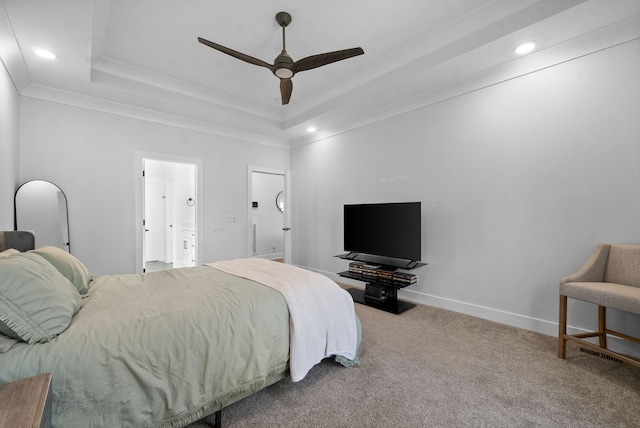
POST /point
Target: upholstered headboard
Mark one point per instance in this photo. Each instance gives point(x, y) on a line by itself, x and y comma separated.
point(20, 240)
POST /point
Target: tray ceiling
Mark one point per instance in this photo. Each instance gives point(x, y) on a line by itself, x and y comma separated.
point(142, 57)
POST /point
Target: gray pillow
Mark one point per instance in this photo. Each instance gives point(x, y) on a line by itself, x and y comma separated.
point(68, 265)
point(36, 301)
point(6, 343)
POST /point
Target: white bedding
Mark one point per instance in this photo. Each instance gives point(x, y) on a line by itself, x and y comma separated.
point(322, 315)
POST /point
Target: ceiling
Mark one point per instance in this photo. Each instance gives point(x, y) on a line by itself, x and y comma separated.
point(142, 58)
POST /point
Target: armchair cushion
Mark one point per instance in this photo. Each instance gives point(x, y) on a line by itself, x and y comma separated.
point(607, 294)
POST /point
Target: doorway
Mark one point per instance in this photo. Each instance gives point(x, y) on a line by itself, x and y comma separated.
point(268, 219)
point(169, 212)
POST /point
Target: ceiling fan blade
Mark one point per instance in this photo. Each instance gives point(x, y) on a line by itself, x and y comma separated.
point(235, 54)
point(286, 87)
point(319, 60)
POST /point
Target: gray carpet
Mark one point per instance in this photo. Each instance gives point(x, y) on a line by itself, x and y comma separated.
point(429, 367)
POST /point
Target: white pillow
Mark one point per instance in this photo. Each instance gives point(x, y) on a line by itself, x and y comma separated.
point(9, 252)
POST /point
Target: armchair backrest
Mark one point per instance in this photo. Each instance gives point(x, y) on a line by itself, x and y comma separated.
point(623, 265)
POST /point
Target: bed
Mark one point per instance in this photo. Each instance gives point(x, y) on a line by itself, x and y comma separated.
point(163, 349)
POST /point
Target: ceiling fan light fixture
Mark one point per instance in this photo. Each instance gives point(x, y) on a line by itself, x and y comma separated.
point(284, 73)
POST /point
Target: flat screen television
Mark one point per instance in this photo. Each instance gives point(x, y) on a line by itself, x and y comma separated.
point(388, 229)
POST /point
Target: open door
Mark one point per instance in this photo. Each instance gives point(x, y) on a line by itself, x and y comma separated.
point(268, 217)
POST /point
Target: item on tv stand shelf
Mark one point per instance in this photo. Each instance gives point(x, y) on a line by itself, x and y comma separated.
point(370, 272)
point(375, 294)
point(404, 279)
point(356, 267)
point(412, 264)
point(350, 256)
point(380, 296)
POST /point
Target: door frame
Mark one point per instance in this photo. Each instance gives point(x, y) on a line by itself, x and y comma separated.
point(286, 222)
point(139, 158)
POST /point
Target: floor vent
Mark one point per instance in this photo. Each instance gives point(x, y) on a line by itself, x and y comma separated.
point(598, 354)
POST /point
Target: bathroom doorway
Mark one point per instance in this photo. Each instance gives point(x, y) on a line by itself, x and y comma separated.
point(169, 213)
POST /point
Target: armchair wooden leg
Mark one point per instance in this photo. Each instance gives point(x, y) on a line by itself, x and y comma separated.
point(562, 327)
point(602, 326)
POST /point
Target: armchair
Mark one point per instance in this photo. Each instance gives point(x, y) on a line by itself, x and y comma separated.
point(610, 279)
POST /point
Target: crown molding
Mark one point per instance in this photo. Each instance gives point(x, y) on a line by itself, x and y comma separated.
point(10, 53)
point(609, 36)
point(127, 110)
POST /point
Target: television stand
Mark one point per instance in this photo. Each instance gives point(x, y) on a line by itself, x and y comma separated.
point(377, 295)
point(381, 288)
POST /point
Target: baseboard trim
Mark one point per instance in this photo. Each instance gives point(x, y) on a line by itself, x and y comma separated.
point(491, 314)
point(549, 328)
point(504, 317)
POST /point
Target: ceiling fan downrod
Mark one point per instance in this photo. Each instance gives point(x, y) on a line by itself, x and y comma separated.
point(283, 61)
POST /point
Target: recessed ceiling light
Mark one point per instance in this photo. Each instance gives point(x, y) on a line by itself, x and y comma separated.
point(44, 53)
point(525, 48)
point(311, 129)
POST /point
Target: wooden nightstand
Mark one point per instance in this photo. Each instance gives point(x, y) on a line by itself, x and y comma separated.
point(26, 402)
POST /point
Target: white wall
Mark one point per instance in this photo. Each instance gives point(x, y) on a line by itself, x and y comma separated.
point(90, 155)
point(9, 100)
point(518, 182)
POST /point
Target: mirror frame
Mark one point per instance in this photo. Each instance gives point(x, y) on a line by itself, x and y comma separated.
point(280, 201)
point(65, 245)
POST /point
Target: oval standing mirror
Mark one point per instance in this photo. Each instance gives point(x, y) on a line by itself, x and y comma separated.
point(41, 207)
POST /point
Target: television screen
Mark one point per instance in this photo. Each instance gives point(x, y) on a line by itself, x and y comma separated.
point(389, 229)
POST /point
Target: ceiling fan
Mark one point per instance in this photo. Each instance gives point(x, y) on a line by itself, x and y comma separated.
point(284, 67)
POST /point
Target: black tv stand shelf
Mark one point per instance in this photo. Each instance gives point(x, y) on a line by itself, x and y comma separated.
point(384, 296)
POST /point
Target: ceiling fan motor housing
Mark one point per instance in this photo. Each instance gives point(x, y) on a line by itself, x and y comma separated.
point(283, 64)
